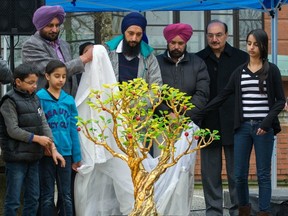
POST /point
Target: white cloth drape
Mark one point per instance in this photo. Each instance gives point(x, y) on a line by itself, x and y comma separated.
point(103, 185)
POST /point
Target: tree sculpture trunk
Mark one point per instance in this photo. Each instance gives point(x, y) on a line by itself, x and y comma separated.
point(144, 194)
point(143, 182)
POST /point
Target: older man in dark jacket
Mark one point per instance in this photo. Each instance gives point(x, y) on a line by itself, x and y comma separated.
point(221, 60)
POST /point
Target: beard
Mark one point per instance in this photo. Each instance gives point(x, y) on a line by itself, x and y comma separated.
point(175, 54)
point(49, 36)
point(129, 50)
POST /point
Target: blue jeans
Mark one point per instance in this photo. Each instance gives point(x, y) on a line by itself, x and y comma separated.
point(49, 173)
point(20, 175)
point(244, 139)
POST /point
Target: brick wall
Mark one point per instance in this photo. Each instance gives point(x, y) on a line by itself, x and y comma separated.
point(282, 30)
point(282, 155)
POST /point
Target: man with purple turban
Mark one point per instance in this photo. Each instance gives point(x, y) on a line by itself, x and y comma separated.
point(42, 47)
point(188, 73)
point(45, 46)
point(130, 55)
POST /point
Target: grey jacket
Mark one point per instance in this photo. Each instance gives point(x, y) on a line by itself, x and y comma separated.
point(5, 72)
point(148, 68)
point(38, 52)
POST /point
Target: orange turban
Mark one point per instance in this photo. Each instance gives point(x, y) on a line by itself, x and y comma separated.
point(185, 31)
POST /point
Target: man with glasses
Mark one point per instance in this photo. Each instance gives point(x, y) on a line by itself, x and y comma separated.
point(221, 60)
point(45, 45)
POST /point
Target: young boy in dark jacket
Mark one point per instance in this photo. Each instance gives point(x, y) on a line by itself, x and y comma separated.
point(24, 135)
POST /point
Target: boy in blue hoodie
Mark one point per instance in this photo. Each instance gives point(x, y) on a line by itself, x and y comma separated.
point(60, 111)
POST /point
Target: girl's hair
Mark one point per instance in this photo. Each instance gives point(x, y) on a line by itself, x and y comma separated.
point(52, 66)
point(261, 38)
point(23, 71)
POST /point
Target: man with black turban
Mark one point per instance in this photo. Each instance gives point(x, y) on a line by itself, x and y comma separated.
point(130, 54)
point(44, 46)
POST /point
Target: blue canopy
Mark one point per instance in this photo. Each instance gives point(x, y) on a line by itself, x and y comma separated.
point(269, 6)
point(163, 5)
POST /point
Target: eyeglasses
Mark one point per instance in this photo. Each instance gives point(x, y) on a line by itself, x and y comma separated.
point(218, 35)
point(31, 83)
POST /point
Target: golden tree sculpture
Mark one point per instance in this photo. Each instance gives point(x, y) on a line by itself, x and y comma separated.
point(135, 128)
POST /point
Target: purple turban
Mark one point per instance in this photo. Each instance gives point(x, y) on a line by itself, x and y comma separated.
point(45, 14)
point(133, 18)
point(185, 31)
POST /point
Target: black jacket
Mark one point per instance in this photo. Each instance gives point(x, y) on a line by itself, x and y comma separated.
point(276, 98)
point(220, 70)
point(190, 75)
point(29, 119)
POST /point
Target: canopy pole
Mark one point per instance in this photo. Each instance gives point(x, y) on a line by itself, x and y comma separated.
point(274, 52)
point(274, 36)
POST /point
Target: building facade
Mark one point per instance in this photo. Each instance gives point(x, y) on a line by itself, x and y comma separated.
point(100, 27)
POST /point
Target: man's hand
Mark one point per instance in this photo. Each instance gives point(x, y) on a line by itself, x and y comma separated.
point(87, 56)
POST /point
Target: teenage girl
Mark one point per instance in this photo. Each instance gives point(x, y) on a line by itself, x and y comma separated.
point(259, 98)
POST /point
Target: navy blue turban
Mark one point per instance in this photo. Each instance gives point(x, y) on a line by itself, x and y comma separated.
point(133, 18)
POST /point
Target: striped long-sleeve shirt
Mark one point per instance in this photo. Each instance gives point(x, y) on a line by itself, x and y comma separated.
point(255, 103)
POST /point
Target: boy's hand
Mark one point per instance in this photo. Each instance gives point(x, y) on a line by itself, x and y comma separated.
point(57, 156)
point(75, 166)
point(43, 140)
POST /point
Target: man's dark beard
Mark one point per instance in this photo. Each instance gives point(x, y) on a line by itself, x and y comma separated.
point(48, 37)
point(175, 54)
point(130, 51)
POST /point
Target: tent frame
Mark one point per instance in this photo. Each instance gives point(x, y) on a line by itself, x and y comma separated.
point(271, 7)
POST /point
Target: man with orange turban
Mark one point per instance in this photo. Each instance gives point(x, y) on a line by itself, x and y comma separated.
point(188, 73)
point(184, 70)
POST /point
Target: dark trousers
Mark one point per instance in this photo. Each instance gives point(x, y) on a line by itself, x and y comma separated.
point(211, 171)
point(49, 172)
